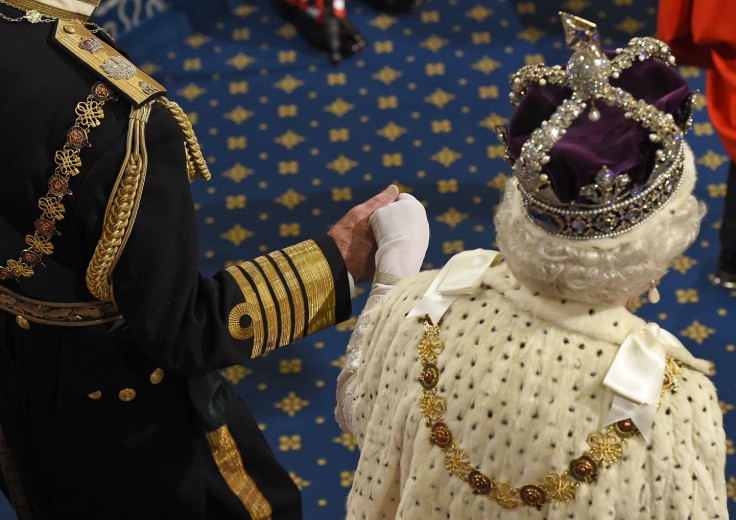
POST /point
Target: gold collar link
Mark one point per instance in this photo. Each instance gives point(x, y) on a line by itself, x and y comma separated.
point(604, 447)
point(36, 12)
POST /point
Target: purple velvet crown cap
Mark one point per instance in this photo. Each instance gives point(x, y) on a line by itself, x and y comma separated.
point(621, 144)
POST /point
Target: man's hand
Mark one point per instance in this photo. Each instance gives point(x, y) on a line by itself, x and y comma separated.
point(354, 236)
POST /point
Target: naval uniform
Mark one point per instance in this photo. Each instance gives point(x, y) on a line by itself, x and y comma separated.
point(110, 337)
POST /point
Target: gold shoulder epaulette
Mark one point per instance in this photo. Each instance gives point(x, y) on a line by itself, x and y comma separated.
point(112, 67)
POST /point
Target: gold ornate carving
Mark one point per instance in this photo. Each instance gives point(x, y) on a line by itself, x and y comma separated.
point(606, 448)
point(672, 369)
point(89, 113)
point(230, 463)
point(68, 161)
point(430, 345)
point(603, 447)
point(40, 244)
point(559, 486)
point(457, 462)
point(433, 406)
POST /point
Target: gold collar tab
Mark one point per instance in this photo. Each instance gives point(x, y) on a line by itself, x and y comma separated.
point(111, 66)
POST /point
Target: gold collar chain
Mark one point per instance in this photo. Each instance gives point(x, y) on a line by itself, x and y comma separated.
point(35, 16)
point(67, 162)
point(31, 15)
point(604, 447)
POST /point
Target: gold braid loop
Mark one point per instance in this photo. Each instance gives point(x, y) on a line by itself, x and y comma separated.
point(121, 208)
point(604, 448)
point(196, 165)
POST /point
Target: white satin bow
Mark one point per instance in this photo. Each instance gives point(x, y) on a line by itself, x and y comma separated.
point(637, 373)
point(460, 275)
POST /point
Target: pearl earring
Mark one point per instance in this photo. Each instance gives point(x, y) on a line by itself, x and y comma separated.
point(653, 294)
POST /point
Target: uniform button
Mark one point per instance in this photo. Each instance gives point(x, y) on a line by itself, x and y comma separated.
point(126, 394)
point(95, 395)
point(70, 29)
point(22, 322)
point(156, 376)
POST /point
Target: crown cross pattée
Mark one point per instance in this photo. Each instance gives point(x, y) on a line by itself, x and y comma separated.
point(607, 187)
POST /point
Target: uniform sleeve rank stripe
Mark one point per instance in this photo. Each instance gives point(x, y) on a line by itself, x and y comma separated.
point(315, 273)
point(276, 283)
point(297, 277)
point(269, 305)
point(132, 83)
point(296, 290)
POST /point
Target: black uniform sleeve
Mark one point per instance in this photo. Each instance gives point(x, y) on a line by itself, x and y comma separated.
point(189, 323)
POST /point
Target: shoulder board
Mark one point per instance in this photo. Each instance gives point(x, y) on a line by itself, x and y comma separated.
point(112, 67)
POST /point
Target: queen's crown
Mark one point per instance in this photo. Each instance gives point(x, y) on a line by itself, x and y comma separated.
point(601, 161)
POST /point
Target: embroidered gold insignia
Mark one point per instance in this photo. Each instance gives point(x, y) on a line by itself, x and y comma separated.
point(90, 44)
point(147, 88)
point(117, 67)
point(107, 63)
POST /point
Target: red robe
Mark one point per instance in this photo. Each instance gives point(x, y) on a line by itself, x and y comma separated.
point(701, 33)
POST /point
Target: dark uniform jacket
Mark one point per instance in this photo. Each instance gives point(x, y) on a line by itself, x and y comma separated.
point(114, 410)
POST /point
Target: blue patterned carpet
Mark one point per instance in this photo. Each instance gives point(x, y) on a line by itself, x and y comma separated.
point(294, 142)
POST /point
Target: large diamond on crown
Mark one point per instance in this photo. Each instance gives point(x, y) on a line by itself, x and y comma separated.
point(588, 71)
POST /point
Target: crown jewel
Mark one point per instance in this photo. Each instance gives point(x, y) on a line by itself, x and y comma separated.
point(601, 202)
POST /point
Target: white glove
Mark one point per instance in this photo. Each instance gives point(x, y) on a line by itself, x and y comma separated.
point(402, 234)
